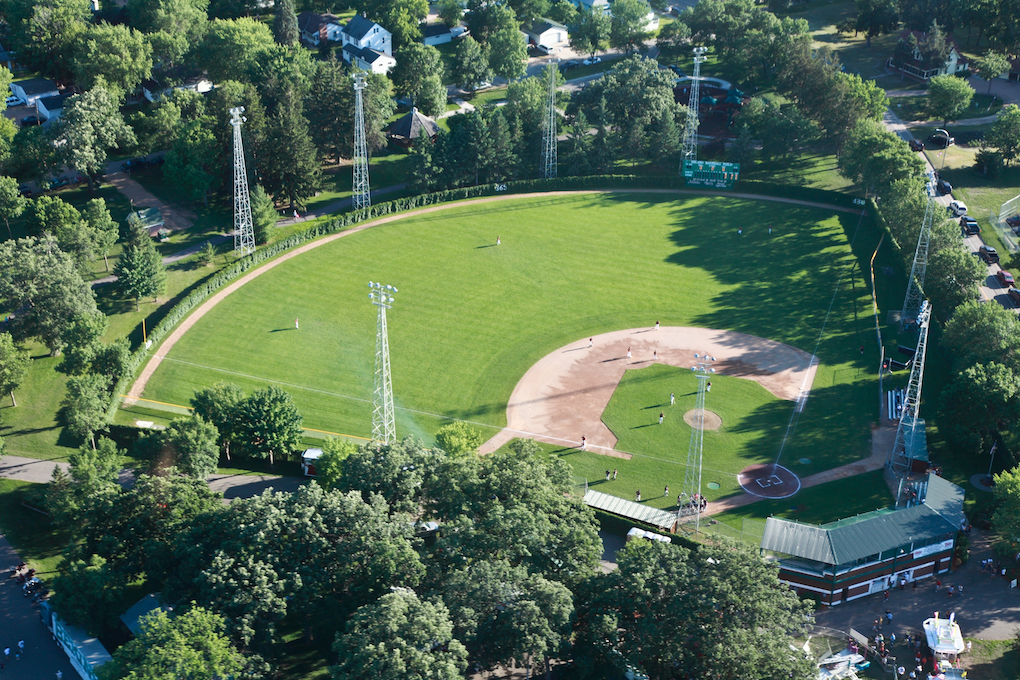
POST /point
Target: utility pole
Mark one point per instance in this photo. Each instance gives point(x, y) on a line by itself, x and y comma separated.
point(244, 232)
point(690, 145)
point(689, 504)
point(549, 160)
point(362, 193)
point(384, 428)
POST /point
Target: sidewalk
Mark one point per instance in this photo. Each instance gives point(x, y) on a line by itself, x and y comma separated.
point(987, 609)
point(19, 620)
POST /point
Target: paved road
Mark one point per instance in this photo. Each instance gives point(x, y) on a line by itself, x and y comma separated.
point(19, 620)
point(987, 609)
point(231, 486)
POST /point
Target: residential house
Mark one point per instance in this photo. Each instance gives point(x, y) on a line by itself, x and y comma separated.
point(546, 32)
point(367, 45)
point(869, 553)
point(34, 89)
point(362, 33)
point(318, 28)
point(955, 63)
point(49, 108)
point(440, 34)
point(368, 59)
point(153, 90)
point(593, 4)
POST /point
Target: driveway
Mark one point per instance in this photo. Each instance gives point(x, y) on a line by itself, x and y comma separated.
point(174, 219)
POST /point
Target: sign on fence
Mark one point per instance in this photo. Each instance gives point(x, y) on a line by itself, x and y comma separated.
point(711, 174)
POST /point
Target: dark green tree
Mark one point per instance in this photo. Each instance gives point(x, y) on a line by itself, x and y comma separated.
point(191, 161)
point(485, 18)
point(12, 203)
point(579, 147)
point(83, 339)
point(471, 65)
point(86, 405)
point(991, 66)
point(980, 334)
point(89, 126)
point(508, 53)
point(42, 282)
point(590, 31)
point(875, 157)
point(188, 445)
point(104, 230)
point(876, 17)
point(220, 405)
point(115, 55)
point(268, 424)
point(459, 439)
point(397, 637)
point(140, 271)
point(948, 97)
point(673, 41)
point(979, 403)
point(190, 645)
point(290, 165)
point(285, 24)
point(263, 215)
point(450, 12)
point(669, 607)
point(1005, 133)
point(88, 594)
point(416, 63)
point(629, 24)
point(232, 48)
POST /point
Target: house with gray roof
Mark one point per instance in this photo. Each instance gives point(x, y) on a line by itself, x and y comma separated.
point(891, 547)
point(364, 34)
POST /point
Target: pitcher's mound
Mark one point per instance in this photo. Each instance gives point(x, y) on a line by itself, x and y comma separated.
point(712, 420)
point(769, 481)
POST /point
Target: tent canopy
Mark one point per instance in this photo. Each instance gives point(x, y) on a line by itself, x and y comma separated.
point(944, 635)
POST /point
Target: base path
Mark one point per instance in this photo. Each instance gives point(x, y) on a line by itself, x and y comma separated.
point(565, 393)
point(138, 388)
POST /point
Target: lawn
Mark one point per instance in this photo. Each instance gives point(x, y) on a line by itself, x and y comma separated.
point(470, 318)
point(915, 107)
point(387, 167)
point(30, 532)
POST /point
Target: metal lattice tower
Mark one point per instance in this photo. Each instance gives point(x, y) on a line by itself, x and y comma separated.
point(915, 284)
point(898, 460)
point(244, 232)
point(549, 160)
point(384, 427)
point(690, 146)
point(689, 503)
point(362, 193)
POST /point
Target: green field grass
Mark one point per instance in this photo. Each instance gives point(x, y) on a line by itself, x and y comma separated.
point(470, 318)
point(31, 533)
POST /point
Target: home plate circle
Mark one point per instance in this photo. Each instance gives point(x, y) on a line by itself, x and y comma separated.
point(768, 481)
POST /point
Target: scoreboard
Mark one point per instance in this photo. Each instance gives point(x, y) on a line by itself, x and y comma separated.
point(711, 174)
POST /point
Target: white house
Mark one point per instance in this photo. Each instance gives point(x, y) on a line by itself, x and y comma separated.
point(546, 32)
point(368, 59)
point(362, 33)
point(34, 89)
point(439, 34)
point(318, 28)
point(49, 108)
point(954, 63)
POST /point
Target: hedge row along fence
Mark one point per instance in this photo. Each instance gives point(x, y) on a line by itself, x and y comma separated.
point(350, 219)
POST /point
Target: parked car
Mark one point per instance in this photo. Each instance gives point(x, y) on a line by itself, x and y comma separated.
point(25, 190)
point(134, 164)
point(678, 71)
point(13, 101)
point(939, 141)
point(1005, 278)
point(1014, 295)
point(943, 187)
point(30, 120)
point(567, 65)
point(958, 208)
point(592, 60)
point(916, 145)
point(969, 225)
point(1013, 221)
point(59, 182)
point(988, 254)
point(484, 85)
point(544, 49)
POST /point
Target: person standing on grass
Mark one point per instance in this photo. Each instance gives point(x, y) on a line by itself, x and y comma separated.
point(661, 416)
point(638, 495)
point(297, 326)
point(607, 475)
point(614, 474)
point(672, 398)
point(665, 492)
point(498, 241)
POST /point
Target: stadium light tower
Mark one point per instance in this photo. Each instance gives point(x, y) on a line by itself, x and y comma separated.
point(915, 284)
point(549, 160)
point(690, 145)
point(384, 427)
point(689, 504)
point(898, 460)
point(362, 192)
point(244, 232)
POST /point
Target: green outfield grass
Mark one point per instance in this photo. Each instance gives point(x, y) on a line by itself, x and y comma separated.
point(471, 317)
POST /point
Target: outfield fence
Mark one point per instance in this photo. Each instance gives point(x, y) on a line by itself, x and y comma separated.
point(325, 227)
